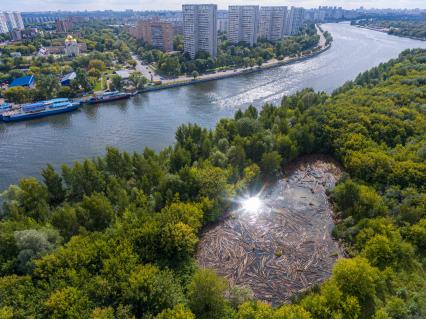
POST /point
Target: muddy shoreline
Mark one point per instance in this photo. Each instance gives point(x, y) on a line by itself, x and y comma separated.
point(285, 247)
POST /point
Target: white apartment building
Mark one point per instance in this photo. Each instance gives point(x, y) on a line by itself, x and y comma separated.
point(319, 15)
point(243, 24)
point(13, 21)
point(3, 24)
point(296, 17)
point(18, 19)
point(273, 21)
point(200, 29)
point(10, 21)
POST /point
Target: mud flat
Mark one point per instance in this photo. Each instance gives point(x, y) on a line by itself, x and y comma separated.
point(285, 246)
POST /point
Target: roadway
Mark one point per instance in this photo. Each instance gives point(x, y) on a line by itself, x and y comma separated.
point(145, 69)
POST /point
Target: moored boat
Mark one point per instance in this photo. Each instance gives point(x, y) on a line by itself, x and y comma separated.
point(5, 107)
point(108, 97)
point(41, 109)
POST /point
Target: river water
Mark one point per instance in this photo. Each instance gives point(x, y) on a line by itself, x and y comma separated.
point(150, 120)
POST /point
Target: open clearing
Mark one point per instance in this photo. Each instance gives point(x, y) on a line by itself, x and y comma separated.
point(285, 246)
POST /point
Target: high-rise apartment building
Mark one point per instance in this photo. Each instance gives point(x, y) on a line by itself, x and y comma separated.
point(10, 21)
point(222, 24)
point(273, 21)
point(296, 17)
point(13, 21)
point(3, 24)
point(200, 29)
point(18, 19)
point(63, 25)
point(157, 33)
point(177, 27)
point(324, 13)
point(243, 24)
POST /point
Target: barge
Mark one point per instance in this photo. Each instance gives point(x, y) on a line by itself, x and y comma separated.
point(108, 97)
point(41, 109)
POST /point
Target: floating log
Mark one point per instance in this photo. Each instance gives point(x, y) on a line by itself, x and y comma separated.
point(295, 220)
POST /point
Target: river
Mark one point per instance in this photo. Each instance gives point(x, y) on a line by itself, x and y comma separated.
point(150, 119)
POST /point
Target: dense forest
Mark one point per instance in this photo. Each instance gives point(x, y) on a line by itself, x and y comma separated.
point(114, 237)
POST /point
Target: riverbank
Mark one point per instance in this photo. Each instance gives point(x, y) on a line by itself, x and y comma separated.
point(321, 48)
point(230, 73)
point(373, 28)
point(185, 80)
point(387, 32)
point(219, 76)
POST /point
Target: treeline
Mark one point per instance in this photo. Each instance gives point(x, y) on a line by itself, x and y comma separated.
point(403, 28)
point(115, 236)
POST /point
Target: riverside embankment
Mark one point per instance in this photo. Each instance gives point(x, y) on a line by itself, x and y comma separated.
point(219, 76)
point(230, 73)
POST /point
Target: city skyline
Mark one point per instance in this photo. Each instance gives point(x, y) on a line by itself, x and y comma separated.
point(46, 5)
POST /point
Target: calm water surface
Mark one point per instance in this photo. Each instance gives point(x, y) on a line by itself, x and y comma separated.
point(150, 120)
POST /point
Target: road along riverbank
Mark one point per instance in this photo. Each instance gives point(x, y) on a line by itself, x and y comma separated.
point(185, 81)
point(219, 76)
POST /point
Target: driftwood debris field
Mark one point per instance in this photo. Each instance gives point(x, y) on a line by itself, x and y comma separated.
point(285, 246)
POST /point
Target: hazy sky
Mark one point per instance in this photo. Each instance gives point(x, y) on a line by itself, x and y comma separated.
point(44, 5)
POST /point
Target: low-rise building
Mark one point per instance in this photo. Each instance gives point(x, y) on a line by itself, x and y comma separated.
point(60, 49)
point(25, 81)
point(15, 54)
point(123, 74)
point(71, 47)
point(67, 79)
point(51, 50)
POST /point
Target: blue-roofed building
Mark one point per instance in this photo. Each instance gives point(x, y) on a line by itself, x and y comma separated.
point(66, 80)
point(25, 81)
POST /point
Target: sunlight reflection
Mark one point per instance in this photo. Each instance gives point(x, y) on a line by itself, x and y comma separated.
point(252, 204)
